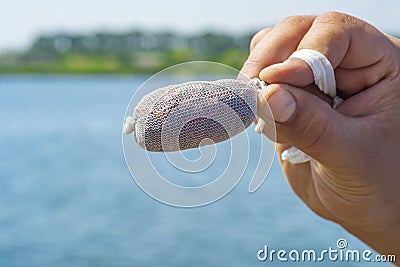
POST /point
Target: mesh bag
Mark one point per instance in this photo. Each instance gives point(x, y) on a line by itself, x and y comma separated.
point(192, 114)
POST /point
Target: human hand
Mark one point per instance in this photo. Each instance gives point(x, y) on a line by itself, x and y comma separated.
point(354, 176)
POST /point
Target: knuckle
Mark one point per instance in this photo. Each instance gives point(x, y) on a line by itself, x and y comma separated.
point(336, 18)
point(258, 36)
point(294, 20)
point(262, 32)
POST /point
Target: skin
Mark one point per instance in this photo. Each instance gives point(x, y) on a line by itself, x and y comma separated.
point(354, 176)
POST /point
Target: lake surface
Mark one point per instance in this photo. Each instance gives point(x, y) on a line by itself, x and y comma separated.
point(67, 198)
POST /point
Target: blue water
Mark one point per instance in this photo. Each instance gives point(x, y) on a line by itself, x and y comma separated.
point(67, 198)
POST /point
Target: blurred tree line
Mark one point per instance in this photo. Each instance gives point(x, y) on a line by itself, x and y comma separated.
point(133, 52)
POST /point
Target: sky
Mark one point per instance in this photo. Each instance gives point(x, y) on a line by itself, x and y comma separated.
point(22, 21)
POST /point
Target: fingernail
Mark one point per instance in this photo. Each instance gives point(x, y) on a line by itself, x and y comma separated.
point(273, 68)
point(276, 66)
point(266, 73)
point(282, 105)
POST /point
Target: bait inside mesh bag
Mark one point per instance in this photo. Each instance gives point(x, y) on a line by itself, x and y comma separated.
point(179, 117)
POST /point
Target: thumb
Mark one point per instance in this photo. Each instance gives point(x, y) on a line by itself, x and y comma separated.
point(309, 123)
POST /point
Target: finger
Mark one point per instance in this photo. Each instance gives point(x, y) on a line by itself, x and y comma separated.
point(347, 42)
point(258, 36)
point(352, 81)
point(269, 127)
point(295, 72)
point(277, 45)
point(311, 125)
point(381, 98)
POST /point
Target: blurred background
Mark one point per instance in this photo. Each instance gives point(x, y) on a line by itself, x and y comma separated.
point(67, 72)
